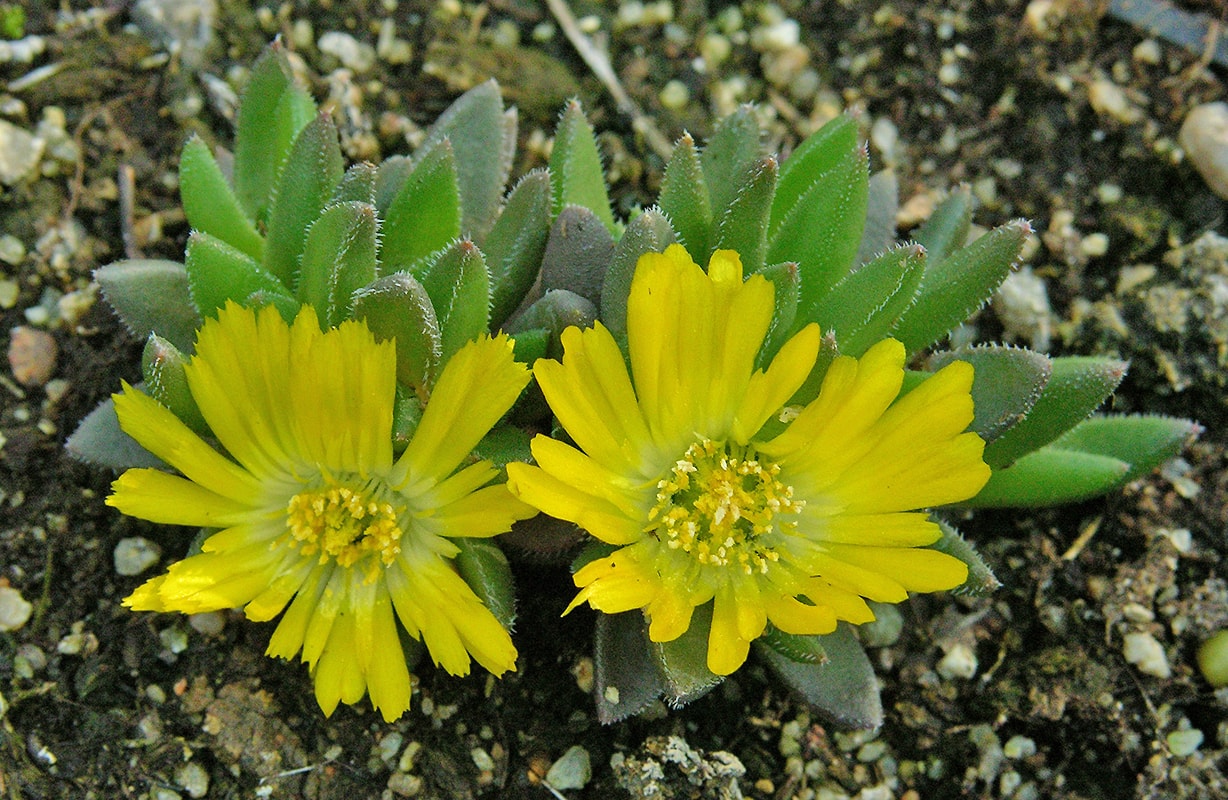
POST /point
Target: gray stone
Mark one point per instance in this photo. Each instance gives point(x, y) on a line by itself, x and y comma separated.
point(1204, 135)
point(135, 555)
point(20, 153)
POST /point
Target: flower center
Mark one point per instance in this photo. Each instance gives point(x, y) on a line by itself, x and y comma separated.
point(720, 502)
point(345, 523)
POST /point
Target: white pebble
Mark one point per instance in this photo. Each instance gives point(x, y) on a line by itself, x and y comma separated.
point(209, 623)
point(959, 662)
point(134, 555)
point(572, 771)
point(1143, 651)
point(1109, 99)
point(1204, 136)
point(193, 779)
point(1094, 245)
point(1184, 742)
point(675, 95)
point(353, 54)
point(20, 153)
point(15, 610)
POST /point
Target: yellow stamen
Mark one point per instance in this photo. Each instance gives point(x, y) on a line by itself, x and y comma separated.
point(719, 502)
point(345, 523)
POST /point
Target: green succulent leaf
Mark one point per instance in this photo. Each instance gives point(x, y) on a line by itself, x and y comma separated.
point(684, 661)
point(304, 187)
point(947, 228)
point(271, 113)
point(209, 203)
point(390, 178)
point(152, 296)
point(357, 185)
point(505, 444)
point(627, 679)
point(1143, 441)
point(218, 272)
point(650, 232)
point(959, 284)
point(1076, 387)
point(822, 230)
point(166, 381)
point(1006, 385)
point(515, 245)
point(577, 176)
point(730, 155)
point(981, 580)
point(819, 153)
point(828, 351)
point(843, 689)
point(397, 307)
point(556, 311)
point(407, 408)
point(802, 649)
point(483, 566)
point(1051, 476)
point(99, 440)
point(862, 307)
point(338, 259)
point(684, 198)
point(882, 205)
point(458, 284)
point(483, 140)
point(786, 283)
point(425, 214)
point(578, 253)
point(530, 345)
point(742, 226)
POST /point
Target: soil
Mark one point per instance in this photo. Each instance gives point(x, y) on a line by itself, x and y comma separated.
point(1052, 110)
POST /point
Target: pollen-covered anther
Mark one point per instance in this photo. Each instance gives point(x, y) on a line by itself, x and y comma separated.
point(344, 523)
point(719, 503)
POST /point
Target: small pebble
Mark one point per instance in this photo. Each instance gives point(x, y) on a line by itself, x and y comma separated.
point(1204, 136)
point(1213, 659)
point(20, 153)
point(1018, 747)
point(959, 662)
point(15, 611)
point(134, 555)
point(12, 251)
point(572, 771)
point(32, 355)
point(209, 623)
point(675, 95)
point(404, 785)
point(1184, 742)
point(352, 53)
point(193, 779)
point(1143, 651)
point(1109, 99)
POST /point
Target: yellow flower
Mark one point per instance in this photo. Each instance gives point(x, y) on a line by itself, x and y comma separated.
point(794, 528)
point(314, 511)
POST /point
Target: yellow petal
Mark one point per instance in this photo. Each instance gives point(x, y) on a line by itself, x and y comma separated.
point(476, 387)
point(669, 615)
point(768, 391)
point(915, 569)
point(592, 477)
point(615, 584)
point(861, 580)
point(486, 512)
point(147, 597)
point(280, 590)
point(596, 515)
point(169, 499)
point(388, 680)
point(880, 530)
point(792, 616)
point(287, 639)
point(727, 650)
point(162, 433)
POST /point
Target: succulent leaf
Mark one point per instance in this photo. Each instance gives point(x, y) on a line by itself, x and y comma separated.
point(218, 272)
point(458, 284)
point(482, 142)
point(503, 445)
point(162, 364)
point(863, 306)
point(627, 678)
point(209, 203)
point(304, 187)
point(981, 580)
point(742, 226)
point(1076, 387)
point(959, 284)
point(515, 245)
point(822, 230)
point(425, 214)
point(843, 689)
point(578, 253)
point(947, 228)
point(684, 198)
point(819, 153)
point(650, 232)
point(730, 155)
point(152, 296)
point(99, 440)
point(554, 312)
point(1050, 476)
point(684, 661)
point(786, 283)
point(1008, 381)
point(882, 205)
point(483, 566)
point(390, 178)
point(575, 167)
point(802, 649)
point(357, 185)
point(265, 128)
point(338, 259)
point(1144, 441)
point(397, 307)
